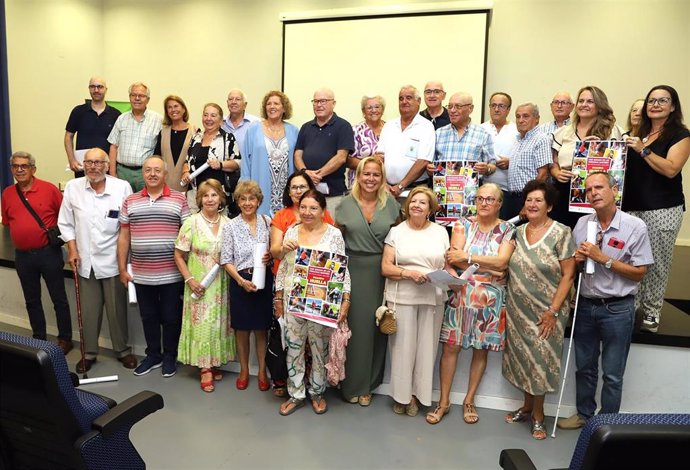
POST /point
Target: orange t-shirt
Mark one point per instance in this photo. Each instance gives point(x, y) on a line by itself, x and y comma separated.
point(286, 218)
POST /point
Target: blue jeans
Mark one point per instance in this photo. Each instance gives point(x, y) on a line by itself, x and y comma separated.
point(160, 308)
point(606, 327)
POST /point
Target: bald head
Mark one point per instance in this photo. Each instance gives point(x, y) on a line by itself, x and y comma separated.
point(323, 104)
point(460, 106)
point(97, 89)
point(95, 165)
point(237, 103)
point(562, 105)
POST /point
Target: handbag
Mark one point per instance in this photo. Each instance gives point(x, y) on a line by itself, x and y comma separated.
point(53, 233)
point(276, 356)
point(385, 316)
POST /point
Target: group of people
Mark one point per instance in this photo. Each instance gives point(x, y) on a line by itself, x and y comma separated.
point(162, 204)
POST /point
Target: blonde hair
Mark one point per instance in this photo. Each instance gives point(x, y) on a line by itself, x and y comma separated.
point(605, 120)
point(433, 202)
point(248, 187)
point(206, 186)
point(381, 193)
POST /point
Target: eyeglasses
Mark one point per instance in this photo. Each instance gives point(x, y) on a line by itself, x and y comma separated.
point(561, 103)
point(22, 167)
point(453, 107)
point(663, 101)
point(95, 163)
point(96, 87)
point(435, 91)
point(498, 106)
point(321, 101)
point(600, 238)
point(489, 200)
point(138, 96)
point(373, 107)
point(299, 187)
point(155, 171)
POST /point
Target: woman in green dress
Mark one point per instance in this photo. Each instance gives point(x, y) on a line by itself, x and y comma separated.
point(365, 217)
point(207, 340)
point(540, 275)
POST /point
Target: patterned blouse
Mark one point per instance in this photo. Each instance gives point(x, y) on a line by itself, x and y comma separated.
point(223, 147)
point(366, 143)
point(238, 242)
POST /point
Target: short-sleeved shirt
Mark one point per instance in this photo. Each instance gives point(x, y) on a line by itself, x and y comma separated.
point(439, 121)
point(529, 153)
point(402, 148)
point(564, 143)
point(153, 228)
point(624, 240)
point(321, 143)
point(475, 144)
point(503, 144)
point(45, 199)
point(135, 140)
point(92, 129)
point(239, 243)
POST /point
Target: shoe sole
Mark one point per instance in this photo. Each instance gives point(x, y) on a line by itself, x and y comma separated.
point(155, 366)
point(169, 374)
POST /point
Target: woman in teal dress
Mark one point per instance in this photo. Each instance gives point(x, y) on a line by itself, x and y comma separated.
point(207, 340)
point(365, 217)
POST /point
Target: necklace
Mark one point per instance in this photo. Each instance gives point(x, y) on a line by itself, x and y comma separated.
point(535, 229)
point(645, 139)
point(210, 222)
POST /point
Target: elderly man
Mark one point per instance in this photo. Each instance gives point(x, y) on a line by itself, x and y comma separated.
point(407, 144)
point(504, 134)
point(606, 308)
point(133, 137)
point(34, 255)
point(561, 106)
point(238, 121)
point(149, 223)
point(92, 123)
point(322, 147)
point(530, 158)
point(433, 98)
point(89, 224)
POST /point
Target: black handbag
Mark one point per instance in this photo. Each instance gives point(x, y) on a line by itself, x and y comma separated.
point(276, 356)
point(53, 233)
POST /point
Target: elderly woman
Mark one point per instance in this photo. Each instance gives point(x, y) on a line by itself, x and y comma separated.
point(216, 147)
point(413, 249)
point(475, 315)
point(365, 218)
point(174, 139)
point(366, 133)
point(251, 307)
point(635, 117)
point(268, 148)
point(541, 273)
point(658, 153)
point(206, 341)
point(593, 120)
point(312, 232)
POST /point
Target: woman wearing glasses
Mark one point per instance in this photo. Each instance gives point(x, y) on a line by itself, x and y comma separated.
point(657, 154)
point(475, 313)
point(593, 120)
point(367, 133)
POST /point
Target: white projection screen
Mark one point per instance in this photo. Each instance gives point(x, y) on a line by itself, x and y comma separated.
point(376, 55)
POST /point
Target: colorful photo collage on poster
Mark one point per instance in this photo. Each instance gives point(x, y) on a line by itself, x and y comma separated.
point(596, 155)
point(455, 185)
point(317, 286)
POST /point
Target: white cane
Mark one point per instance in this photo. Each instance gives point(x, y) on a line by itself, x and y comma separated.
point(567, 358)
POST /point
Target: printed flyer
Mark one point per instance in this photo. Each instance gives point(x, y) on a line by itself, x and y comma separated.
point(596, 155)
point(317, 286)
point(455, 185)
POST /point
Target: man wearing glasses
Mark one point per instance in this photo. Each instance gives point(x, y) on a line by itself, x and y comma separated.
point(561, 106)
point(35, 258)
point(92, 123)
point(606, 308)
point(435, 111)
point(89, 225)
point(133, 137)
point(322, 147)
point(504, 135)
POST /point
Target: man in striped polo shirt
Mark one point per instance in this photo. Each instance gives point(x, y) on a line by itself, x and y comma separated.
point(150, 220)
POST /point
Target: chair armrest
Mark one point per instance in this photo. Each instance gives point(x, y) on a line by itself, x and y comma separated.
point(515, 459)
point(129, 411)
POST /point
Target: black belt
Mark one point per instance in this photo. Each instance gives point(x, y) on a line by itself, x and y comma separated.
point(130, 167)
point(34, 251)
point(607, 300)
point(246, 271)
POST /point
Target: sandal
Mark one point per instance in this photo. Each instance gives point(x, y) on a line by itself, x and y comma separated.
point(206, 378)
point(538, 430)
point(217, 374)
point(353, 400)
point(398, 408)
point(469, 413)
point(316, 402)
point(517, 416)
point(290, 406)
point(364, 400)
point(435, 417)
point(412, 408)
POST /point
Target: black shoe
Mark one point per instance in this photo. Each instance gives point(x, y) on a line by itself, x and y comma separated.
point(85, 366)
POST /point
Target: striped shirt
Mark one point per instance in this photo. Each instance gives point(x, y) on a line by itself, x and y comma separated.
point(153, 227)
point(474, 145)
point(528, 154)
point(135, 140)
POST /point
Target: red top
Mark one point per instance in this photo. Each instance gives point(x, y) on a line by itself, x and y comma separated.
point(45, 199)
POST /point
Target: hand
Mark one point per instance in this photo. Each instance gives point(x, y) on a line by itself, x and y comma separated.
point(455, 257)
point(430, 168)
point(590, 250)
point(416, 276)
point(266, 258)
point(74, 259)
point(503, 163)
point(197, 288)
point(579, 257)
point(288, 246)
point(75, 165)
point(481, 167)
point(547, 324)
point(634, 143)
point(125, 278)
point(248, 286)
point(344, 310)
point(379, 155)
point(215, 163)
point(394, 190)
point(185, 178)
point(564, 176)
point(314, 175)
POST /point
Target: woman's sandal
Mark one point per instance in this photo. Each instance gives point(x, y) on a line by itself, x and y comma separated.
point(435, 417)
point(207, 380)
point(517, 416)
point(469, 413)
point(411, 409)
point(318, 404)
point(290, 406)
point(364, 400)
point(538, 430)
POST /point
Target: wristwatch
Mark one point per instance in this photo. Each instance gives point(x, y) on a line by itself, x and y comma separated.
point(401, 187)
point(609, 263)
point(645, 152)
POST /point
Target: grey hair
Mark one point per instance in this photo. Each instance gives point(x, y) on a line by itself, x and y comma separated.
point(366, 98)
point(535, 108)
point(157, 157)
point(609, 177)
point(244, 97)
point(496, 188)
point(417, 96)
point(142, 85)
point(22, 154)
point(100, 152)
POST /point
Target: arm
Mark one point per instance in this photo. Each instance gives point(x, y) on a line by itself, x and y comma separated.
point(547, 321)
point(496, 264)
point(299, 165)
point(352, 162)
point(542, 173)
point(242, 282)
point(112, 155)
point(335, 162)
point(181, 263)
point(628, 271)
point(397, 273)
point(560, 175)
point(69, 150)
point(123, 240)
point(673, 163)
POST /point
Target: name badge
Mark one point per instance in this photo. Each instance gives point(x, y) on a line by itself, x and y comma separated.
point(412, 148)
point(616, 243)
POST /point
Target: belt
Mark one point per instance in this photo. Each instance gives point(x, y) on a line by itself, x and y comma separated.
point(246, 271)
point(130, 167)
point(34, 251)
point(514, 193)
point(607, 300)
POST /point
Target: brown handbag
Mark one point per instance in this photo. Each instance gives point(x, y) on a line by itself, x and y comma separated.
point(385, 316)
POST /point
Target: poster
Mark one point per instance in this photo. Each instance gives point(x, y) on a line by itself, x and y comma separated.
point(596, 155)
point(455, 185)
point(317, 286)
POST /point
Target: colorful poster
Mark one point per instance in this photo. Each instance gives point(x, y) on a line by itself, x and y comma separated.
point(455, 185)
point(596, 155)
point(317, 286)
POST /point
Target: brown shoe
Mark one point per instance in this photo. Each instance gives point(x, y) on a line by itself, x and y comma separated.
point(129, 361)
point(66, 345)
point(85, 366)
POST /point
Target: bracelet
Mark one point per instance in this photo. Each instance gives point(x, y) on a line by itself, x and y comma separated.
point(553, 311)
point(188, 279)
point(346, 300)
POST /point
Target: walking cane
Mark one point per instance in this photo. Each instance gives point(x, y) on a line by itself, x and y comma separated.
point(567, 358)
point(79, 322)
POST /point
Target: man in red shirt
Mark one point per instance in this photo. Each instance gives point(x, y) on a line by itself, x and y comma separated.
point(34, 257)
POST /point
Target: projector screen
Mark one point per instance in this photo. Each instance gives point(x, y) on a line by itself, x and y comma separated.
point(377, 55)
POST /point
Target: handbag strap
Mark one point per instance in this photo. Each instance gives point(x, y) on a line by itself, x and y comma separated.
point(395, 296)
point(29, 208)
